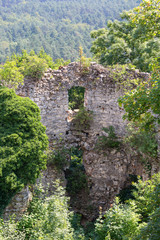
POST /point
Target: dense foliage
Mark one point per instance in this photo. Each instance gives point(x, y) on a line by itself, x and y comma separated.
point(142, 110)
point(137, 219)
point(22, 144)
point(50, 219)
point(142, 104)
point(58, 157)
point(47, 218)
point(135, 40)
point(60, 27)
point(33, 65)
point(119, 222)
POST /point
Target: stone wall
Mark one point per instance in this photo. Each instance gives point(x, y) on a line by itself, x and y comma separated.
point(107, 171)
point(51, 95)
point(19, 204)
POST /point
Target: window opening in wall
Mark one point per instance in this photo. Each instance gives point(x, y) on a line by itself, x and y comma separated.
point(76, 97)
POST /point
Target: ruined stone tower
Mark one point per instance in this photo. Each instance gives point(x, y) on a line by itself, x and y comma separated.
point(107, 171)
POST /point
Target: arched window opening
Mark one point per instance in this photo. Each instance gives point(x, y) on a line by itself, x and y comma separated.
point(76, 97)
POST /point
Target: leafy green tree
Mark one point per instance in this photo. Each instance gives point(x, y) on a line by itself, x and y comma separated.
point(146, 197)
point(135, 40)
point(142, 104)
point(32, 65)
point(120, 222)
point(147, 201)
point(22, 144)
point(8, 231)
point(141, 107)
point(10, 74)
point(146, 19)
point(47, 218)
point(151, 230)
point(137, 219)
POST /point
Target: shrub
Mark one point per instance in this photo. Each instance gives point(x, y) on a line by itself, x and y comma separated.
point(109, 141)
point(84, 62)
point(10, 74)
point(47, 219)
point(83, 119)
point(8, 231)
point(34, 66)
point(22, 144)
point(120, 222)
point(143, 141)
point(58, 157)
point(146, 196)
point(151, 230)
point(147, 202)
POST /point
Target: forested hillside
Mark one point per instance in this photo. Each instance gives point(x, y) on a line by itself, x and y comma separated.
point(59, 26)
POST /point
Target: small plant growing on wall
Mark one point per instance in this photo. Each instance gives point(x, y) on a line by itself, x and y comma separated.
point(84, 62)
point(83, 119)
point(58, 157)
point(109, 140)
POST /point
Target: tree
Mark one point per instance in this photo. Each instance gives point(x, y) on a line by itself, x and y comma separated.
point(142, 104)
point(135, 40)
point(142, 110)
point(10, 74)
point(137, 219)
point(46, 218)
point(151, 230)
point(33, 67)
point(22, 144)
point(147, 201)
point(146, 19)
point(120, 222)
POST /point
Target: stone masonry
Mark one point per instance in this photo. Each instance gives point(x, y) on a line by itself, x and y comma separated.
point(107, 171)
